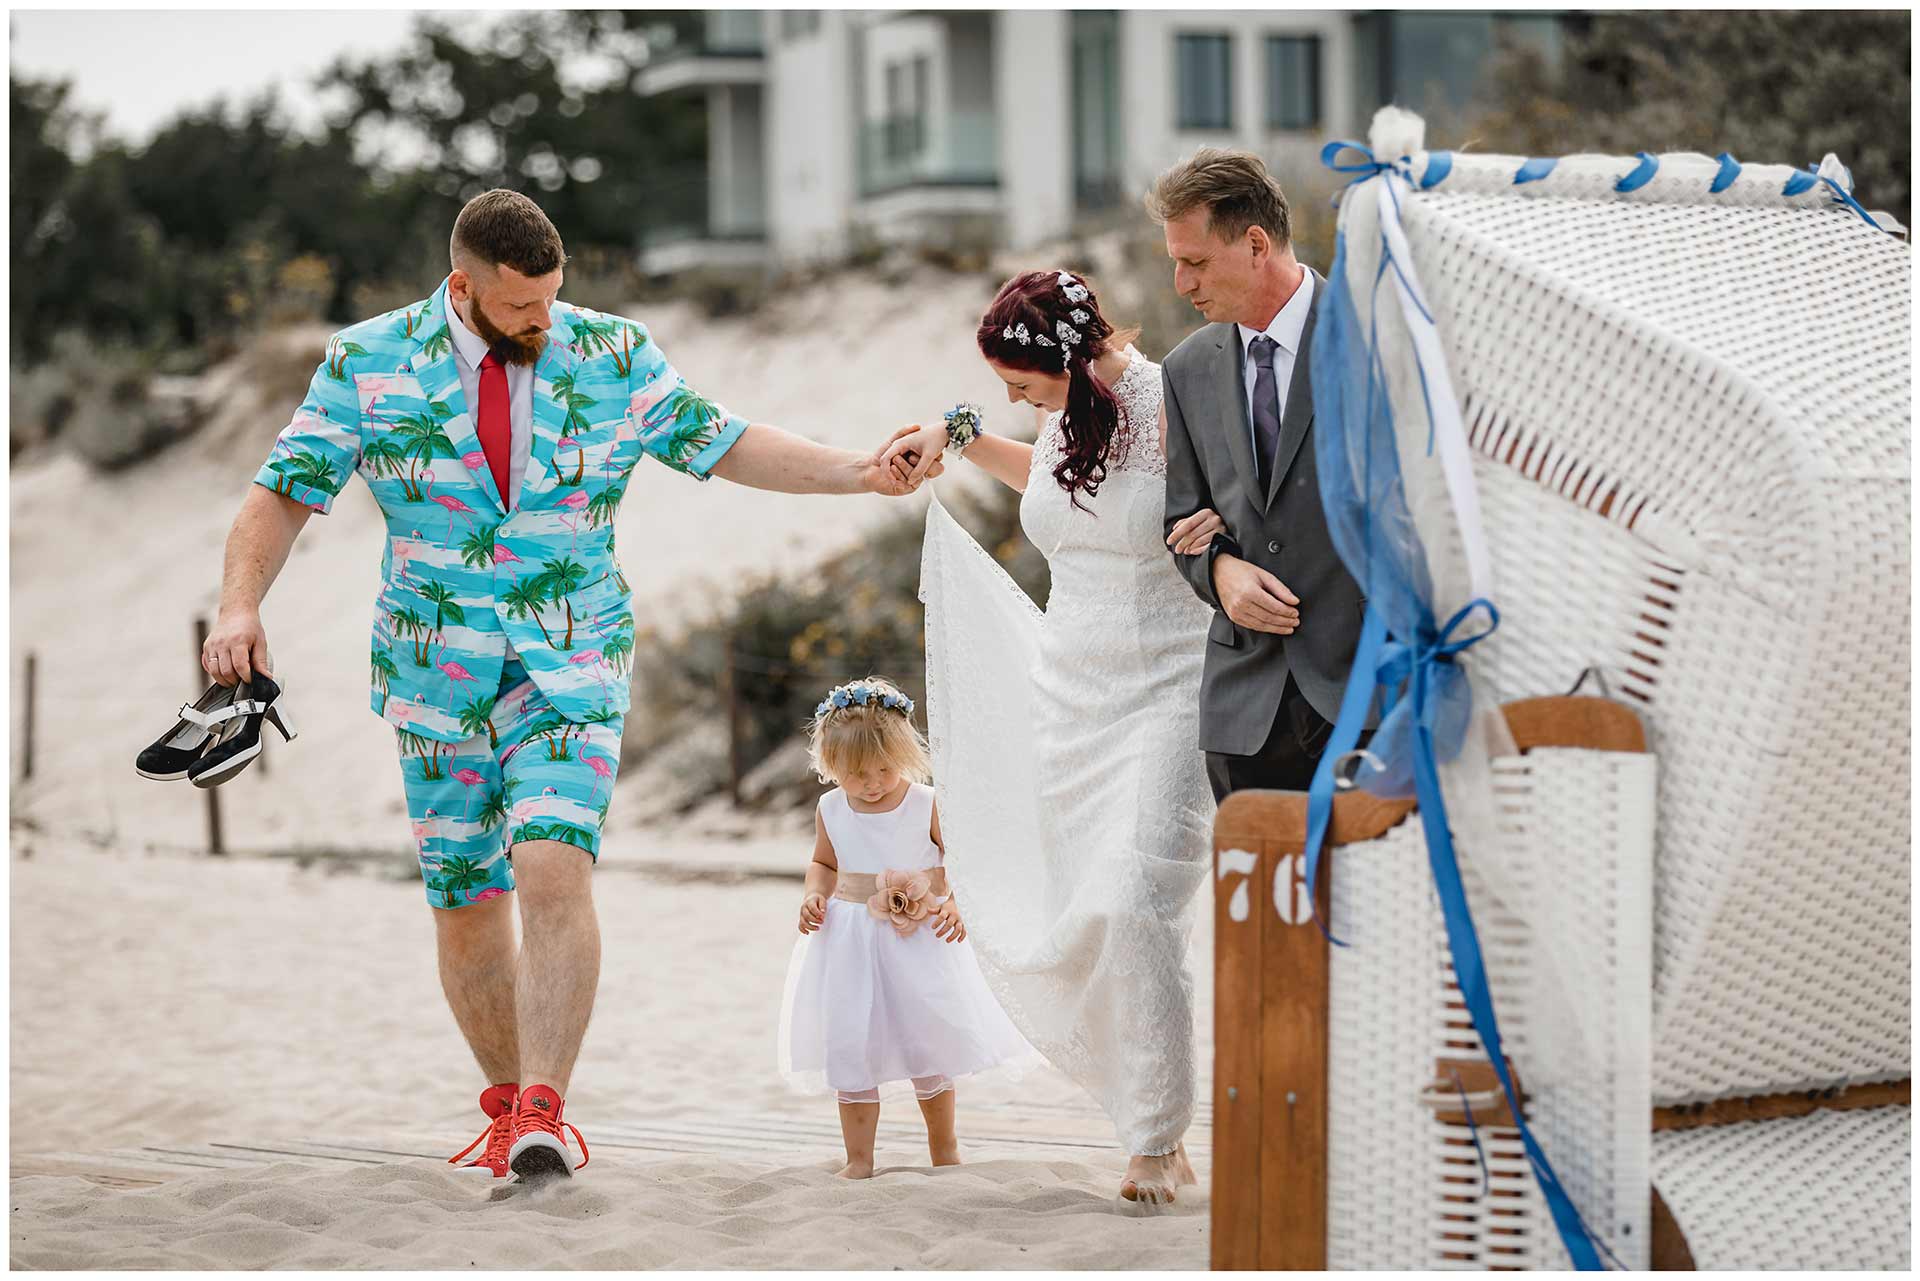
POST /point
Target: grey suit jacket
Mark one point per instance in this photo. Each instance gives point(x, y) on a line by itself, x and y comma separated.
point(1281, 529)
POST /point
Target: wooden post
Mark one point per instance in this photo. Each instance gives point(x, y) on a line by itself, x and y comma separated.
point(1272, 970)
point(734, 745)
point(215, 845)
point(26, 730)
point(1271, 1039)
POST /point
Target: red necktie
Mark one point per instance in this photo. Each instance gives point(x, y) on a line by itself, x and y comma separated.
point(495, 427)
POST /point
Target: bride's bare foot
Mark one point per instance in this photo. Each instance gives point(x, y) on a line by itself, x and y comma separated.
point(949, 1155)
point(857, 1170)
point(1152, 1179)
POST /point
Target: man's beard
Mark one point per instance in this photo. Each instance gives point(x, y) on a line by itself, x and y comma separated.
point(509, 349)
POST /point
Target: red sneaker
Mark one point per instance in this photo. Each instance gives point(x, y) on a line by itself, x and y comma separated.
point(497, 1102)
point(539, 1148)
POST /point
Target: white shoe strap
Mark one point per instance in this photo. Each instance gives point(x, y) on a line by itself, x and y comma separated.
point(248, 707)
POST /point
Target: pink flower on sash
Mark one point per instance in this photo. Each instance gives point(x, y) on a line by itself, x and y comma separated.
point(901, 899)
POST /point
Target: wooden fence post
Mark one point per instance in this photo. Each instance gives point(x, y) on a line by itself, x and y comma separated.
point(731, 677)
point(26, 730)
point(215, 845)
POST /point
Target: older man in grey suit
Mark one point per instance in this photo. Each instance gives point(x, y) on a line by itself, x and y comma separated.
point(1239, 414)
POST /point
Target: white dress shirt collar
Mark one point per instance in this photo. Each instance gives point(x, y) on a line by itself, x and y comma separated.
point(1289, 323)
point(471, 346)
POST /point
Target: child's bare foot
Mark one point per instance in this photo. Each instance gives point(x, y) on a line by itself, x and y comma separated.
point(1152, 1179)
point(949, 1155)
point(857, 1170)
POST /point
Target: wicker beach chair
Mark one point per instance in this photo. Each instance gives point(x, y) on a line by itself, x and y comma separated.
point(1686, 384)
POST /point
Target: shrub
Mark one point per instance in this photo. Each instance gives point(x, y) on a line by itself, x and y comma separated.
point(792, 639)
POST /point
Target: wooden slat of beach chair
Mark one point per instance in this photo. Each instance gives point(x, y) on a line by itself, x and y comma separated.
point(1271, 1025)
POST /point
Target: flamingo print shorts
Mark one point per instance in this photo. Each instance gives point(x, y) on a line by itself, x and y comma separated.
point(528, 774)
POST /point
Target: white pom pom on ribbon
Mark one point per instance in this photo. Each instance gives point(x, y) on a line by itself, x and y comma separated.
point(1396, 132)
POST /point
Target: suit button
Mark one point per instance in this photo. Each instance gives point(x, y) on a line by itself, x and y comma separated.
point(1273, 549)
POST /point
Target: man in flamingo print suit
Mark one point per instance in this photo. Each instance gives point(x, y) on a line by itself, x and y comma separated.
point(497, 428)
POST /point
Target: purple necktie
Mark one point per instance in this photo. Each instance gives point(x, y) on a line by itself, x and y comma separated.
point(1266, 408)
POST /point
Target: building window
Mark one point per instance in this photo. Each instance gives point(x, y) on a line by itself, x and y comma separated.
point(1203, 81)
point(1293, 82)
point(795, 23)
point(908, 97)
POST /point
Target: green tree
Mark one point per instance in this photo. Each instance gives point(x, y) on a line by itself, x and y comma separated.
point(525, 598)
point(602, 506)
point(383, 672)
point(478, 715)
point(445, 609)
point(495, 810)
point(476, 550)
point(506, 104)
point(408, 622)
point(558, 580)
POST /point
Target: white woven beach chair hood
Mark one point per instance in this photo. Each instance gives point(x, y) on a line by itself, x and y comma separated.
point(1660, 422)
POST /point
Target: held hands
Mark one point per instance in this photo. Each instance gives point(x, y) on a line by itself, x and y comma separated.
point(947, 923)
point(889, 471)
point(813, 913)
point(1195, 534)
point(914, 452)
point(1253, 598)
point(236, 648)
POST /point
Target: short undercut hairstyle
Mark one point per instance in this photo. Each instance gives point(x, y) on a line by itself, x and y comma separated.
point(1235, 188)
point(502, 228)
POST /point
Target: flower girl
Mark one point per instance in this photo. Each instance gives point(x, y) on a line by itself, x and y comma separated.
point(883, 988)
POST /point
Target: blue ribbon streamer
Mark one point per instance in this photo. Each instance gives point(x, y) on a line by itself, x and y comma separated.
point(1473, 1132)
point(1415, 694)
point(1803, 182)
point(1404, 656)
point(1439, 165)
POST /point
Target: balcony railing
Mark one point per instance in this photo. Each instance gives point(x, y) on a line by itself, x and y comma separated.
point(726, 33)
point(908, 151)
point(680, 211)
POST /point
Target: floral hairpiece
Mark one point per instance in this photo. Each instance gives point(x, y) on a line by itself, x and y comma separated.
point(1065, 336)
point(841, 697)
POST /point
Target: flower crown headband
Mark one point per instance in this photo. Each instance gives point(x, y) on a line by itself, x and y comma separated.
point(1066, 334)
point(841, 697)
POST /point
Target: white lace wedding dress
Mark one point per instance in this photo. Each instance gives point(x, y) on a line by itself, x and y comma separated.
point(1073, 797)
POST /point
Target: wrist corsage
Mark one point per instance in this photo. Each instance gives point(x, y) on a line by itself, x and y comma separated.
point(963, 427)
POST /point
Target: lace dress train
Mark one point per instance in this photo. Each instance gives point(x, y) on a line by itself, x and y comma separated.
point(1073, 799)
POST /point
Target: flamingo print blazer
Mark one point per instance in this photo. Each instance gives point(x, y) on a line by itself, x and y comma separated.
point(461, 576)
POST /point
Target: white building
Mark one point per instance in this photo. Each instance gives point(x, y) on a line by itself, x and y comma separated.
point(830, 130)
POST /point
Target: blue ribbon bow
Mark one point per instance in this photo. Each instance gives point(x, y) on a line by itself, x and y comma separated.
point(1439, 164)
point(1405, 659)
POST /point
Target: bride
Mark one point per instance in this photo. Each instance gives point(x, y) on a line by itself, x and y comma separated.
point(1073, 799)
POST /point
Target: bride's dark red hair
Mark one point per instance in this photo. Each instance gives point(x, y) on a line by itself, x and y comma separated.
point(1038, 302)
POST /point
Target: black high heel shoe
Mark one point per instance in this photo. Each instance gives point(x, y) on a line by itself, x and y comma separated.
point(169, 756)
point(236, 731)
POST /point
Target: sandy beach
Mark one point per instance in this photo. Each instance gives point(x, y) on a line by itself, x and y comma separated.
point(164, 1004)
